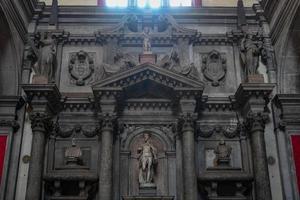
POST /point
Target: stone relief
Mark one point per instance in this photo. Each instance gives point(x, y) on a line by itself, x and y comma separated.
point(46, 56)
point(214, 68)
point(223, 153)
point(81, 67)
point(229, 131)
point(172, 62)
point(121, 62)
point(147, 161)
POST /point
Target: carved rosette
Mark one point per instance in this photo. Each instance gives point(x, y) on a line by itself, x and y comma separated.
point(256, 121)
point(40, 122)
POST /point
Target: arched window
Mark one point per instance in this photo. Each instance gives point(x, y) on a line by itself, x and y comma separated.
point(117, 3)
point(149, 3)
point(178, 3)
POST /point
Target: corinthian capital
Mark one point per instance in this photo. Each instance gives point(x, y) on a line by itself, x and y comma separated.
point(187, 121)
point(40, 122)
point(108, 122)
point(256, 121)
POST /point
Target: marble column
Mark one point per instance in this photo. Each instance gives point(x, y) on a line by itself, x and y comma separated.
point(256, 124)
point(106, 160)
point(39, 122)
point(188, 154)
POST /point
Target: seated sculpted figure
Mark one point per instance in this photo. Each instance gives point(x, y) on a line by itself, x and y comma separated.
point(173, 63)
point(121, 62)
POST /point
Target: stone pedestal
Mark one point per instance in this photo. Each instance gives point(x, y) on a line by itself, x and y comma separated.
point(147, 190)
point(36, 79)
point(257, 78)
point(148, 58)
point(252, 99)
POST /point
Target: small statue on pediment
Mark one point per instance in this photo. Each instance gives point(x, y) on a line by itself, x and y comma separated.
point(147, 40)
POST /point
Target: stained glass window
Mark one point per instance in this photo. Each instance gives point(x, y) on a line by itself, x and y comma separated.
point(177, 3)
point(116, 3)
point(149, 3)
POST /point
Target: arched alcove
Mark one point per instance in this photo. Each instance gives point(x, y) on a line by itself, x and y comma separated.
point(8, 59)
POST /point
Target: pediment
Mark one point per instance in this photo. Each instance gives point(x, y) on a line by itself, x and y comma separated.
point(148, 72)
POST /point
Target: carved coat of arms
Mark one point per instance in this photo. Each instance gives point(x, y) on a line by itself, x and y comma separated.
point(81, 67)
point(214, 67)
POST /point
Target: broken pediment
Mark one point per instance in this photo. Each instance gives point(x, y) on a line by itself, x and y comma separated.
point(163, 27)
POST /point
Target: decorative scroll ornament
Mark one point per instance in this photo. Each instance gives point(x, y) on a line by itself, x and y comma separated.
point(214, 67)
point(81, 67)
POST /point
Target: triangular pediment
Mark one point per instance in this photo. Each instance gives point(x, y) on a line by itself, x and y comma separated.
point(146, 72)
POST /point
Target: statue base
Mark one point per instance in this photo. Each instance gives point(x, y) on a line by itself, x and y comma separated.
point(147, 189)
point(257, 78)
point(147, 58)
point(37, 79)
point(223, 162)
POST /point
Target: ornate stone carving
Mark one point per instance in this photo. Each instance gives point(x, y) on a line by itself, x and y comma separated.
point(250, 48)
point(10, 123)
point(46, 53)
point(147, 161)
point(73, 154)
point(40, 122)
point(229, 131)
point(81, 67)
point(256, 121)
point(87, 131)
point(214, 67)
point(173, 63)
point(121, 62)
point(223, 153)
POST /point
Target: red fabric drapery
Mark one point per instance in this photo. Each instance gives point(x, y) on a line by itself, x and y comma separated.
point(2, 154)
point(296, 152)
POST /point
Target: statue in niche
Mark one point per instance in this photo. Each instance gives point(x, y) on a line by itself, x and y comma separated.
point(46, 63)
point(250, 53)
point(147, 40)
point(147, 161)
point(73, 154)
point(121, 62)
point(223, 153)
point(173, 63)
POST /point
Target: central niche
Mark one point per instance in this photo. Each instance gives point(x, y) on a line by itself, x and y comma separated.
point(151, 164)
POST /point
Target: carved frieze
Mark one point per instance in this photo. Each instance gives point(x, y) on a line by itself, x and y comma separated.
point(214, 67)
point(68, 131)
point(227, 131)
point(81, 67)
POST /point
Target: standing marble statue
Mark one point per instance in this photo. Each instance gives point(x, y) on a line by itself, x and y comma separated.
point(46, 63)
point(147, 160)
point(147, 41)
point(250, 53)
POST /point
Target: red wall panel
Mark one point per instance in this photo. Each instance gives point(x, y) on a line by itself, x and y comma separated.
point(296, 152)
point(2, 154)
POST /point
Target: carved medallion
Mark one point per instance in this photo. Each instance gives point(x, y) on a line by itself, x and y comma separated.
point(214, 67)
point(81, 67)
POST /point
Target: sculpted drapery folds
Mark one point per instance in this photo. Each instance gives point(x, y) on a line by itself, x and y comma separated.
point(46, 63)
point(250, 53)
point(147, 161)
point(147, 40)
